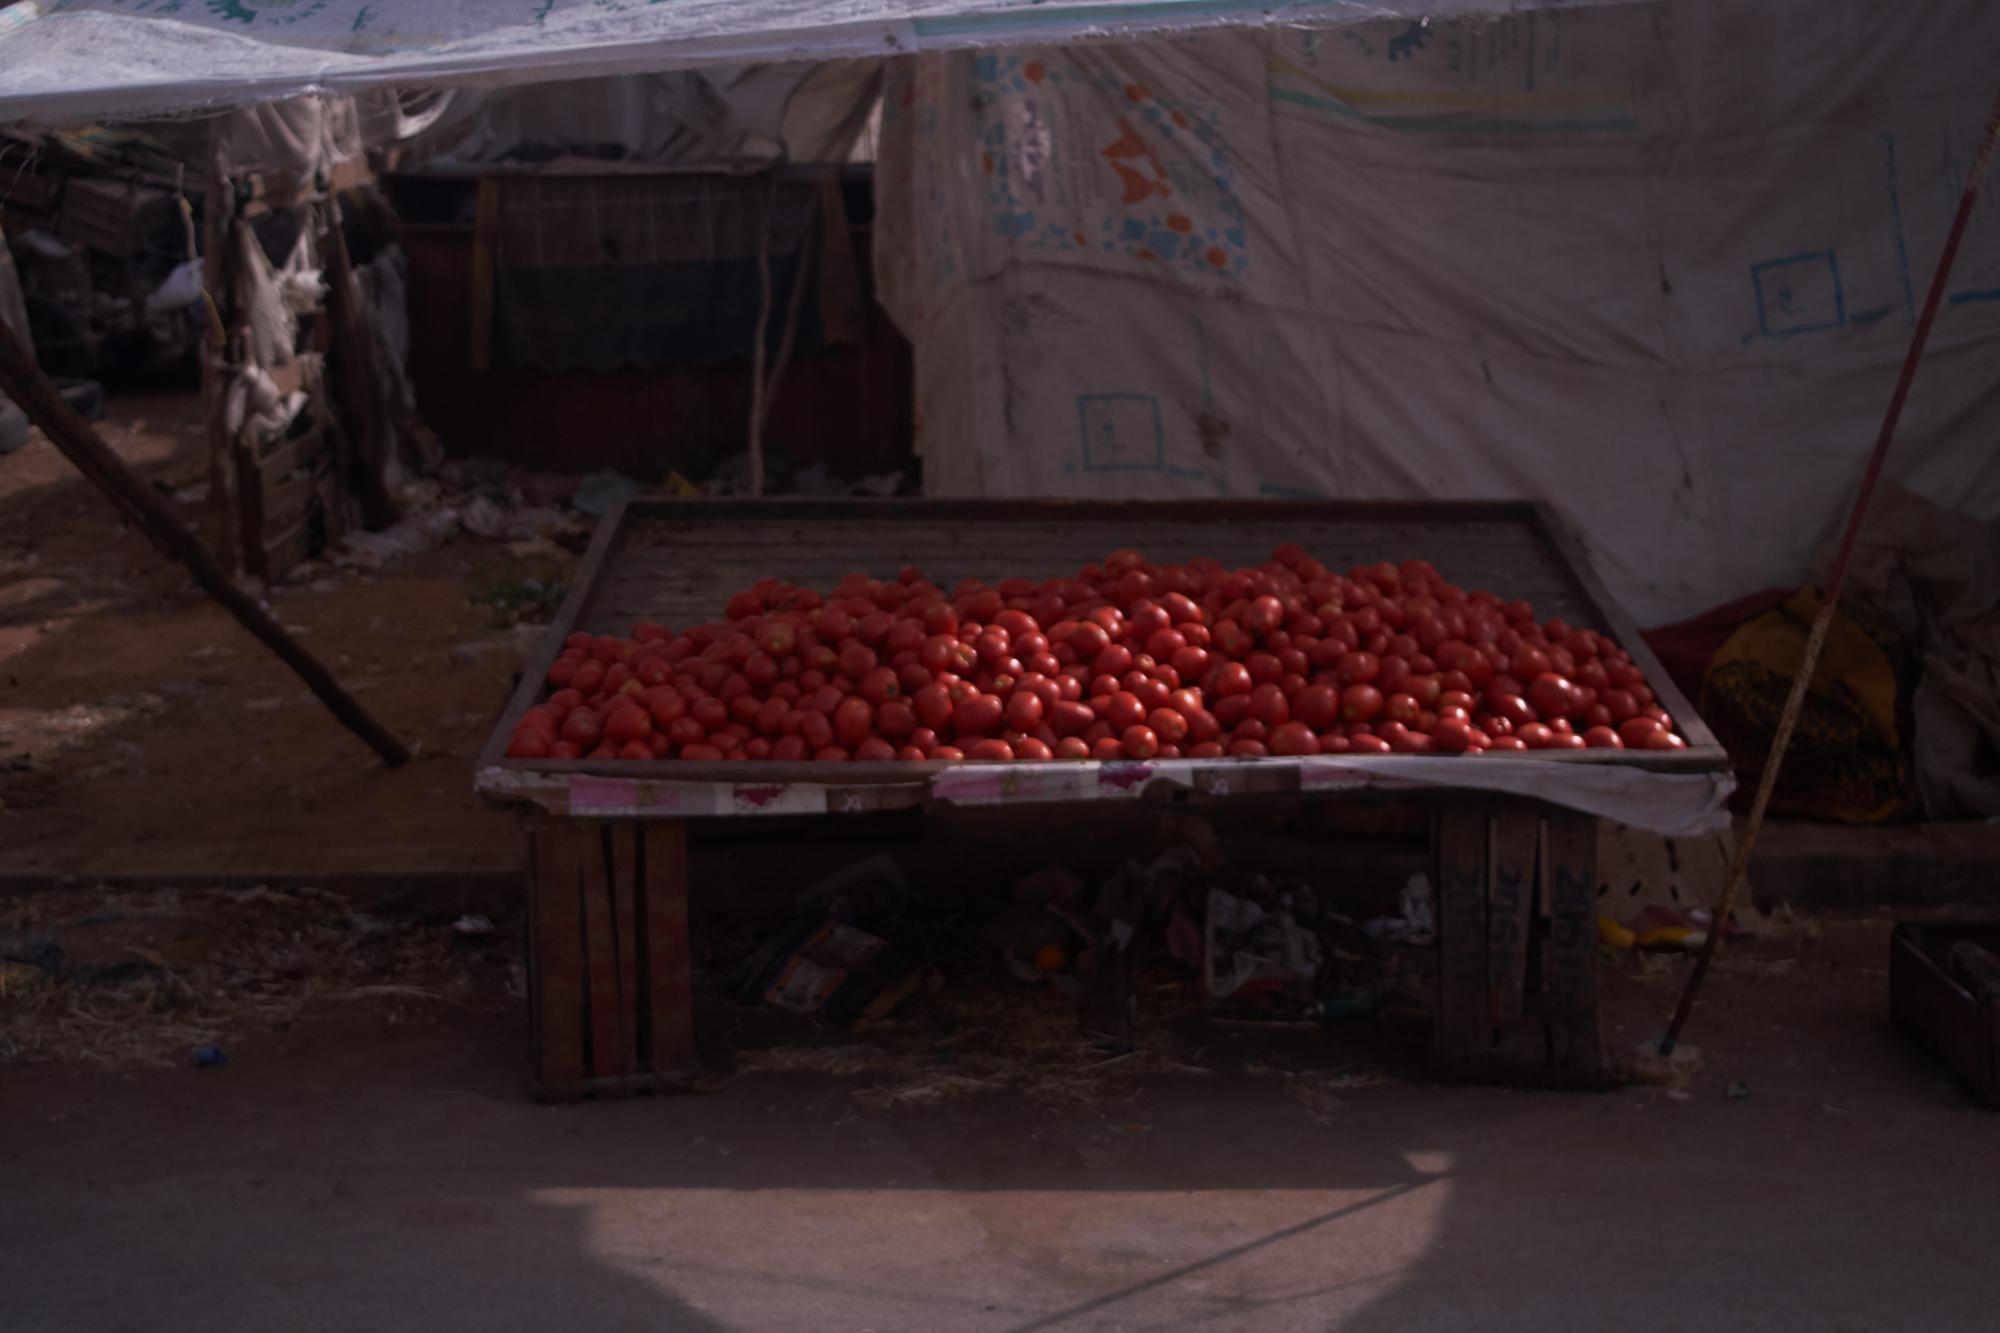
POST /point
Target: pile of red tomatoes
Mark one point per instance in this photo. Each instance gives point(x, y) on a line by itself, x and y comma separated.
point(1125, 660)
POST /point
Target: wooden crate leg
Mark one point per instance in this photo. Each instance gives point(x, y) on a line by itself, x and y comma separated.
point(1458, 1036)
point(555, 962)
point(1577, 1055)
point(607, 1025)
point(668, 967)
point(623, 858)
point(1510, 894)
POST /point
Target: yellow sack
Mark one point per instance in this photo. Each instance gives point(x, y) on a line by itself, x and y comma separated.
point(1847, 759)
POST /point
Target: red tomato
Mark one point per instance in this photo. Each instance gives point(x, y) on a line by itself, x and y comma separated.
point(1367, 745)
point(977, 715)
point(710, 753)
point(1264, 667)
point(1169, 725)
point(1190, 662)
point(1550, 695)
point(1513, 708)
point(1264, 615)
point(1453, 735)
point(934, 707)
point(1024, 710)
point(1620, 705)
point(874, 749)
point(1124, 710)
point(1032, 749)
point(1139, 742)
point(1634, 730)
point(1401, 708)
point(1535, 736)
point(1661, 739)
point(530, 743)
point(1070, 717)
point(1602, 738)
point(1248, 749)
point(1205, 750)
point(1508, 743)
point(1293, 738)
point(1233, 679)
point(582, 725)
point(895, 718)
point(1361, 703)
point(1072, 747)
point(948, 753)
point(1317, 706)
point(1269, 705)
point(852, 722)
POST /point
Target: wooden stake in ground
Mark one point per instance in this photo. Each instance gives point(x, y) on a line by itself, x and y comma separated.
point(22, 380)
point(1836, 578)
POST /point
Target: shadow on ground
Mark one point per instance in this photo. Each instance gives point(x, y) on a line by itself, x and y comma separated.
point(364, 1176)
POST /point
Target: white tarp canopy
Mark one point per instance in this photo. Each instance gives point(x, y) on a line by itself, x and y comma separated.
point(1657, 264)
point(87, 59)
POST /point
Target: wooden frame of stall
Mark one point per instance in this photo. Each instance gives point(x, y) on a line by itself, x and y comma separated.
point(609, 976)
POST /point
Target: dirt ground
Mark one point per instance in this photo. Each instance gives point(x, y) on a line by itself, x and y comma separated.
point(140, 727)
point(359, 1150)
point(377, 1166)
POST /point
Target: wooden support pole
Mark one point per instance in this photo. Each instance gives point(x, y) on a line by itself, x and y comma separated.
point(217, 207)
point(1781, 740)
point(22, 380)
point(357, 368)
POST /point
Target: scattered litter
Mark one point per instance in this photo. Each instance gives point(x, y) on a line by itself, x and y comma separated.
point(1737, 1090)
point(1251, 950)
point(126, 979)
point(1416, 921)
point(1349, 1002)
point(210, 1056)
point(1644, 1065)
point(598, 492)
point(1614, 936)
point(473, 923)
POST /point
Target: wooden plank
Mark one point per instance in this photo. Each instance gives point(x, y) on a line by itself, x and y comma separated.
point(1571, 987)
point(479, 306)
point(216, 283)
point(357, 369)
point(281, 552)
point(668, 977)
point(529, 689)
point(600, 953)
point(1459, 1033)
point(555, 962)
point(624, 861)
point(1515, 835)
point(1619, 626)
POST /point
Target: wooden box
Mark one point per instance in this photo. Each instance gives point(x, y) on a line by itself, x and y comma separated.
point(608, 973)
point(1932, 1007)
point(1517, 945)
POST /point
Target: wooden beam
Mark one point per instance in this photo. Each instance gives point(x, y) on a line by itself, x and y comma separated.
point(357, 370)
point(22, 380)
point(479, 305)
point(216, 301)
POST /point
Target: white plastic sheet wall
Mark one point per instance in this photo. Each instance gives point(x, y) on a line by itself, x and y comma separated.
point(1657, 263)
